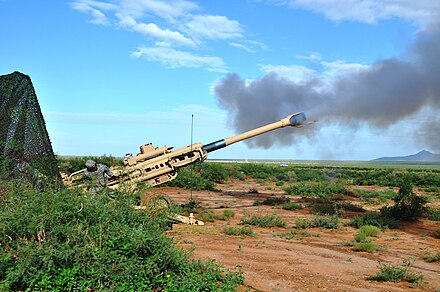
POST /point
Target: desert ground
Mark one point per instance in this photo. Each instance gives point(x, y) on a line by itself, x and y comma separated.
point(314, 259)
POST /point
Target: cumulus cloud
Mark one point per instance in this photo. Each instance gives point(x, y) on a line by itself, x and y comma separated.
point(173, 23)
point(422, 12)
point(214, 27)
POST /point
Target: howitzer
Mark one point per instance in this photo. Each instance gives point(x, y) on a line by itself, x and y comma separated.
point(155, 166)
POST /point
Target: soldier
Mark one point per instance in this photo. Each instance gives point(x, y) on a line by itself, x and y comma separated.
point(98, 174)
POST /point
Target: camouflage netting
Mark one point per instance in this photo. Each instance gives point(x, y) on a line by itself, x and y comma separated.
point(25, 149)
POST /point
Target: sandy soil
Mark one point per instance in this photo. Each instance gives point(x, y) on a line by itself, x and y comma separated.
point(316, 260)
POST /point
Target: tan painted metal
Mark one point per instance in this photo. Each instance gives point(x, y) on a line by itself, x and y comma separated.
point(155, 166)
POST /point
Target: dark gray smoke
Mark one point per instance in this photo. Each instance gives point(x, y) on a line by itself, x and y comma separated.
point(385, 93)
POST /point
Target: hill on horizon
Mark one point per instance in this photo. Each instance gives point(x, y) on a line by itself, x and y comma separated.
point(423, 155)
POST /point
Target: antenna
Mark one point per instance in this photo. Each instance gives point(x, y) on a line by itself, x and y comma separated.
point(192, 167)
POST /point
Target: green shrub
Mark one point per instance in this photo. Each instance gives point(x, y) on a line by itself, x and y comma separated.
point(272, 201)
point(408, 205)
point(361, 237)
point(226, 215)
point(264, 221)
point(239, 231)
point(433, 213)
point(432, 258)
point(365, 246)
point(397, 273)
point(292, 206)
point(436, 234)
point(189, 179)
point(327, 208)
point(369, 230)
point(375, 219)
point(71, 241)
point(324, 222)
point(286, 235)
point(215, 172)
point(320, 189)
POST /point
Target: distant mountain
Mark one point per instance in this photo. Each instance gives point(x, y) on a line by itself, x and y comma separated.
point(421, 156)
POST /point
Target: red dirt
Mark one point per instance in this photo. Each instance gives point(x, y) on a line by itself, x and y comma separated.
point(304, 263)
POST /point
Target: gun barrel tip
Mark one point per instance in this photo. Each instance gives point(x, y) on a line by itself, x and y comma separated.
point(297, 119)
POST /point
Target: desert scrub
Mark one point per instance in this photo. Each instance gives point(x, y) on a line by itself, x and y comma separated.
point(375, 219)
point(264, 221)
point(239, 231)
point(321, 189)
point(433, 213)
point(397, 273)
point(370, 247)
point(369, 230)
point(432, 258)
point(72, 241)
point(226, 215)
point(292, 206)
point(408, 205)
point(273, 201)
point(319, 221)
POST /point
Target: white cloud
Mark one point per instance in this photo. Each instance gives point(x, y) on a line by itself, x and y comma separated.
point(214, 27)
point(328, 73)
point(421, 12)
point(177, 59)
point(170, 9)
point(168, 24)
point(295, 73)
point(164, 36)
point(98, 17)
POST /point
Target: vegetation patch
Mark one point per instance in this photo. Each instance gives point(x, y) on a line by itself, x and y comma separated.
point(369, 230)
point(432, 258)
point(319, 221)
point(273, 201)
point(375, 219)
point(370, 247)
point(239, 231)
point(72, 241)
point(264, 221)
point(292, 206)
point(397, 273)
point(433, 213)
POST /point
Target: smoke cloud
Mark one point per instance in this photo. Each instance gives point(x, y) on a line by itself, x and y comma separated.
point(378, 96)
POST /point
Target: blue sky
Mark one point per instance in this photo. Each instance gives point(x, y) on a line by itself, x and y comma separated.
point(111, 75)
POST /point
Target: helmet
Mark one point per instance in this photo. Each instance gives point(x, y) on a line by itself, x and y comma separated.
point(90, 164)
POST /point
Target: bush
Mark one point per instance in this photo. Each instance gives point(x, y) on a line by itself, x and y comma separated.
point(324, 222)
point(272, 201)
point(369, 230)
point(215, 172)
point(375, 219)
point(397, 273)
point(365, 246)
point(327, 208)
point(264, 221)
point(433, 214)
point(239, 231)
point(432, 258)
point(189, 179)
point(321, 189)
point(227, 214)
point(292, 206)
point(408, 205)
point(71, 241)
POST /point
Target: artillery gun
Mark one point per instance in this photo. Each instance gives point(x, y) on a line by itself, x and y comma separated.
point(155, 166)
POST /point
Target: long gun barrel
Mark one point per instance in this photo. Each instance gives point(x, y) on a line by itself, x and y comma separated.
point(295, 120)
point(158, 165)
